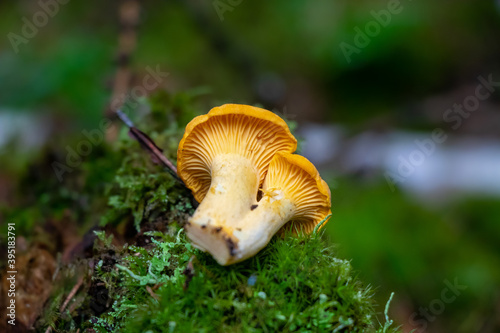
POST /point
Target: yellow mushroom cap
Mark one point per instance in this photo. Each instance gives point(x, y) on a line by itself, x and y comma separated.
point(299, 181)
point(251, 132)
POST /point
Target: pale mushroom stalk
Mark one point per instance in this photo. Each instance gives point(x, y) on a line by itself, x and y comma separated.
point(255, 231)
point(232, 192)
point(294, 196)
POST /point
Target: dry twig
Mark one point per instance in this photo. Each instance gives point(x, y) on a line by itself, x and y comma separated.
point(68, 299)
point(71, 294)
point(148, 144)
point(151, 292)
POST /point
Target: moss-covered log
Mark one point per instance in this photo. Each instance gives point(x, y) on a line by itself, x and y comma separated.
point(113, 232)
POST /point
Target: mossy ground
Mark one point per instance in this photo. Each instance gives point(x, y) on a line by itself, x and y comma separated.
point(136, 272)
point(295, 284)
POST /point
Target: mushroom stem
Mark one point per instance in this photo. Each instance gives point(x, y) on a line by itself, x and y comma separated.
point(241, 238)
point(232, 192)
point(255, 231)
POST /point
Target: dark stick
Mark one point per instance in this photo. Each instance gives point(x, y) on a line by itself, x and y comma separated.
point(148, 144)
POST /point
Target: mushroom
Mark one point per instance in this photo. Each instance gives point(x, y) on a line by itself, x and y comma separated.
point(223, 158)
point(294, 197)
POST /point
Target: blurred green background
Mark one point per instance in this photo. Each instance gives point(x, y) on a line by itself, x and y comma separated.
point(358, 111)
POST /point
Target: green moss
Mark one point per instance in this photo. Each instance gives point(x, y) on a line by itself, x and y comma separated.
point(145, 196)
point(143, 275)
point(295, 284)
